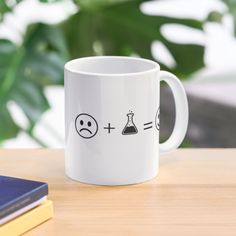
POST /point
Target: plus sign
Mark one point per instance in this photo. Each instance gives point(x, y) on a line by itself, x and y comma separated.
point(109, 128)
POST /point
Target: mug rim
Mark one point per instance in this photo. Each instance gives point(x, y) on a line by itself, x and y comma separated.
point(155, 66)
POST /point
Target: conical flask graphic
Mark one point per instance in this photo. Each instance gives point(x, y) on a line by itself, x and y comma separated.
point(130, 127)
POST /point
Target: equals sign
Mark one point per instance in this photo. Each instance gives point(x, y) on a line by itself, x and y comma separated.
point(147, 125)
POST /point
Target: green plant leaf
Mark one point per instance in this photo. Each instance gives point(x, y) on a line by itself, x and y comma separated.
point(7, 6)
point(4, 7)
point(8, 128)
point(101, 27)
point(26, 70)
point(122, 29)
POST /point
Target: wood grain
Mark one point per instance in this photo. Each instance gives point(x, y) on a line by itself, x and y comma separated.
point(194, 194)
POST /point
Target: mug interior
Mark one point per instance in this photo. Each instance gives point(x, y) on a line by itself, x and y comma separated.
point(111, 65)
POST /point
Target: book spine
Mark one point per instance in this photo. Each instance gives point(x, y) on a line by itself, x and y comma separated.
point(25, 200)
point(29, 220)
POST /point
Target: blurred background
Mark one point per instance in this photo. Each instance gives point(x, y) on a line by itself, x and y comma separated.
point(193, 39)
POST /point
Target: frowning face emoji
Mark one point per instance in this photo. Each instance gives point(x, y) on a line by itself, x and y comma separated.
point(86, 126)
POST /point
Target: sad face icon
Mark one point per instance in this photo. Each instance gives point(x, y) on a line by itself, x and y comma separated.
point(86, 126)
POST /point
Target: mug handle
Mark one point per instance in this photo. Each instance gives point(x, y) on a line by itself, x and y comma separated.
point(181, 111)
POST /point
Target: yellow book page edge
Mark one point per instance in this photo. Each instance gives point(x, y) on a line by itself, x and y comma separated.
point(28, 220)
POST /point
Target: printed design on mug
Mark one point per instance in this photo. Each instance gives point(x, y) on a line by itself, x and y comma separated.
point(130, 127)
point(109, 128)
point(157, 119)
point(86, 125)
point(147, 125)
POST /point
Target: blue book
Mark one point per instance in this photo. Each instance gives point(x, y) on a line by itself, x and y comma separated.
point(16, 194)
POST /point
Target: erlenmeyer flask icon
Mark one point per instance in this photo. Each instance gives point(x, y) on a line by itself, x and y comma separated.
point(130, 127)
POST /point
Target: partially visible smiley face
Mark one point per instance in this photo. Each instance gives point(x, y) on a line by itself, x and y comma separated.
point(86, 126)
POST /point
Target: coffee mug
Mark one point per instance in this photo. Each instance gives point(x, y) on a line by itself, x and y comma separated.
point(112, 119)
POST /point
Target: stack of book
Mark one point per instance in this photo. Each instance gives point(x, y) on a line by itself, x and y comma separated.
point(23, 205)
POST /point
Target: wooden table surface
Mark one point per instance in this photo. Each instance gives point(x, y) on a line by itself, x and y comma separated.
point(194, 194)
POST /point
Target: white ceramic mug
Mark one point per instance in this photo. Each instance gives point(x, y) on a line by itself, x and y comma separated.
point(112, 119)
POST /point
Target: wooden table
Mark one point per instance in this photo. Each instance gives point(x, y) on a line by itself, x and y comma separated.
point(194, 194)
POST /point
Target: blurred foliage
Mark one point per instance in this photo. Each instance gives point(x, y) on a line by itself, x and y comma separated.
point(122, 29)
point(101, 27)
point(25, 70)
point(6, 6)
point(215, 16)
point(232, 10)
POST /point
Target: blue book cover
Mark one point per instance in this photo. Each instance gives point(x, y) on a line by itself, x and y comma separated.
point(17, 193)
